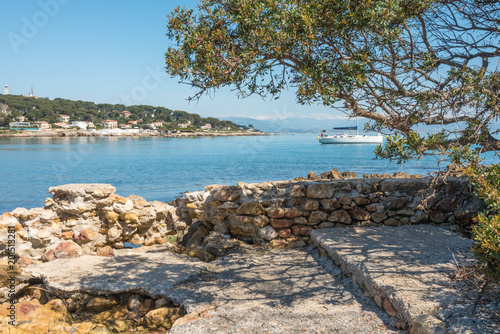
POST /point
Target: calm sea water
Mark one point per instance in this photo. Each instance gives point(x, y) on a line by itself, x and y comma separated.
point(162, 168)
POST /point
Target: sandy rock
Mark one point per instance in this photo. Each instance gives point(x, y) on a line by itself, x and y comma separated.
point(105, 251)
point(63, 250)
point(250, 208)
point(359, 214)
point(313, 176)
point(275, 212)
point(101, 303)
point(225, 194)
point(427, 324)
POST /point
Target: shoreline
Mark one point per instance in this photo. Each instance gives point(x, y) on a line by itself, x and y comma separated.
point(81, 133)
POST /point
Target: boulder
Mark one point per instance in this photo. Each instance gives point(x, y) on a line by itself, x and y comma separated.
point(250, 208)
point(340, 216)
point(359, 214)
point(226, 194)
point(317, 217)
point(267, 233)
point(313, 176)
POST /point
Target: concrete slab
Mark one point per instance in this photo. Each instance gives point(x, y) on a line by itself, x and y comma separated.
point(249, 291)
point(405, 269)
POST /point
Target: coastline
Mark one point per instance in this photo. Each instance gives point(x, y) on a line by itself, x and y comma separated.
point(82, 133)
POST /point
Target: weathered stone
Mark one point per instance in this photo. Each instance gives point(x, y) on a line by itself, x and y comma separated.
point(393, 203)
point(297, 191)
point(349, 175)
point(101, 303)
point(260, 221)
point(267, 233)
point(242, 225)
point(63, 250)
point(311, 205)
point(200, 253)
point(158, 318)
point(437, 217)
point(361, 200)
point(275, 212)
point(226, 194)
point(359, 214)
point(313, 176)
point(320, 190)
point(277, 244)
point(114, 233)
point(292, 213)
point(117, 312)
point(317, 217)
point(301, 230)
point(112, 217)
point(392, 222)
point(295, 242)
point(285, 233)
point(250, 208)
point(390, 185)
point(378, 217)
point(405, 212)
point(130, 218)
point(427, 324)
point(340, 216)
point(86, 235)
point(326, 225)
point(345, 200)
point(281, 223)
point(330, 204)
point(300, 221)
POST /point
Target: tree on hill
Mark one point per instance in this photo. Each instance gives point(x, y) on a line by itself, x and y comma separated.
point(401, 63)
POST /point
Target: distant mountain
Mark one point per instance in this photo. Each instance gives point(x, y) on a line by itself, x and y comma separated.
point(291, 124)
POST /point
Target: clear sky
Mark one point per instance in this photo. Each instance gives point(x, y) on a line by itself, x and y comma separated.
point(111, 51)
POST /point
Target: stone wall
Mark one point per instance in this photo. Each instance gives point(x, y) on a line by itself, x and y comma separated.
point(92, 219)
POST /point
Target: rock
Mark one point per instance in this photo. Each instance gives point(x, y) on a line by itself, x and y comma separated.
point(345, 200)
point(340, 216)
point(285, 233)
point(361, 200)
point(378, 217)
point(133, 303)
point(242, 225)
point(105, 251)
point(297, 191)
point(359, 214)
point(427, 324)
point(437, 217)
point(317, 217)
point(349, 175)
point(114, 233)
point(99, 303)
point(130, 218)
point(197, 231)
point(311, 205)
point(332, 175)
point(275, 212)
point(301, 230)
point(326, 225)
point(401, 175)
point(392, 222)
point(116, 313)
point(226, 194)
point(86, 235)
point(63, 250)
point(281, 223)
point(292, 212)
point(200, 253)
point(260, 221)
point(162, 302)
point(295, 242)
point(267, 233)
point(250, 208)
point(330, 204)
point(159, 318)
point(320, 190)
point(277, 244)
point(112, 217)
point(313, 176)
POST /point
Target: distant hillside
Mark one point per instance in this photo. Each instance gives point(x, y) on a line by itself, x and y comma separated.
point(44, 109)
point(293, 124)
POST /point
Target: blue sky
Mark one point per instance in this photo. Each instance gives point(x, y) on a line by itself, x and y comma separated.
point(111, 52)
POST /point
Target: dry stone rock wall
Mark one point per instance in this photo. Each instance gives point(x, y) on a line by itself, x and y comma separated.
point(92, 219)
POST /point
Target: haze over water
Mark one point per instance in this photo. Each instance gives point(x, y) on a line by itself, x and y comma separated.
point(163, 168)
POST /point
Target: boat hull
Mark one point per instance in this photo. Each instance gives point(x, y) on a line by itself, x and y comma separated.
point(354, 139)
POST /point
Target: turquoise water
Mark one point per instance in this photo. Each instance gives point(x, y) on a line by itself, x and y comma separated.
point(162, 168)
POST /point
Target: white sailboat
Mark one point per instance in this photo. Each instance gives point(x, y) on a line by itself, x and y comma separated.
point(350, 138)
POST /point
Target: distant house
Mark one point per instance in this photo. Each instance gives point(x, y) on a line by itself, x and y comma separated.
point(206, 127)
point(125, 113)
point(90, 125)
point(64, 118)
point(132, 122)
point(79, 124)
point(157, 124)
point(62, 125)
point(185, 125)
point(42, 125)
point(19, 125)
point(20, 118)
point(125, 126)
point(110, 124)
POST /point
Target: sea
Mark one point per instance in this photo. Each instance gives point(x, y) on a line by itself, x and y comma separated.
point(164, 168)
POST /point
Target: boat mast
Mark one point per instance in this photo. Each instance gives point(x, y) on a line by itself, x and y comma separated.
point(357, 134)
